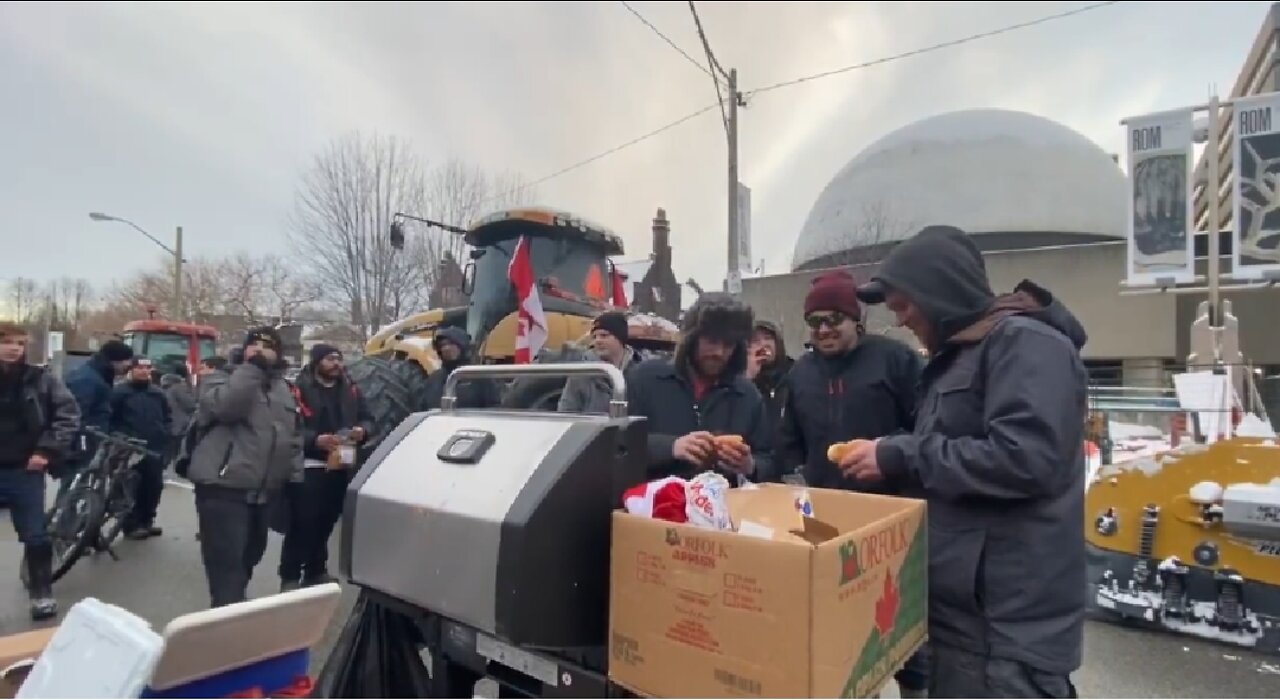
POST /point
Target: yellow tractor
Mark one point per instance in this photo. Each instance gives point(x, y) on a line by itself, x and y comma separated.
point(1182, 516)
point(576, 278)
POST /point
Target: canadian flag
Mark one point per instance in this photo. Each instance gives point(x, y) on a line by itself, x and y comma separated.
point(619, 288)
point(533, 322)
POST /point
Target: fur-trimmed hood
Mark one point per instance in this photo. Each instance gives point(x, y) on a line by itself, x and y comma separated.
point(720, 316)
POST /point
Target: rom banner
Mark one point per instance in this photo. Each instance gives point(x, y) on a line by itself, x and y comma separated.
point(1255, 204)
point(1161, 247)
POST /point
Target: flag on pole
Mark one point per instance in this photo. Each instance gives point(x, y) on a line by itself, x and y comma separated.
point(532, 334)
point(619, 288)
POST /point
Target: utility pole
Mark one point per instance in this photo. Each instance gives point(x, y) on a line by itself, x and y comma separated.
point(178, 311)
point(734, 278)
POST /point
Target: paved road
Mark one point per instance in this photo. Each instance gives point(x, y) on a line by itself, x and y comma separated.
point(162, 578)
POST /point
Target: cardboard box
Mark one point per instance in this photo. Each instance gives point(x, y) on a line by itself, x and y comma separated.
point(829, 606)
point(17, 648)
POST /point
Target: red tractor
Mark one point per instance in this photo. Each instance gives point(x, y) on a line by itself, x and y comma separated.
point(170, 343)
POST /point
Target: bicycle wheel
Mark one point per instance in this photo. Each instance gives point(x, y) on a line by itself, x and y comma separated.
point(119, 505)
point(74, 524)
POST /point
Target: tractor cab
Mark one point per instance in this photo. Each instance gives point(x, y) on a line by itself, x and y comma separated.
point(570, 258)
point(169, 343)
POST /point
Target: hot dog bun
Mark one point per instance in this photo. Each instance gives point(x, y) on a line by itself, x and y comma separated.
point(837, 451)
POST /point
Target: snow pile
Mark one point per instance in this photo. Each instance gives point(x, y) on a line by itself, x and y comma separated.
point(1253, 426)
point(1121, 432)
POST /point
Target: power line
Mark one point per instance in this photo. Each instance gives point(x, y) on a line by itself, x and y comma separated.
point(934, 47)
point(670, 43)
point(711, 58)
point(713, 63)
point(788, 83)
point(605, 154)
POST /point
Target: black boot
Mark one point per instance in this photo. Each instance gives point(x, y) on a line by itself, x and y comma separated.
point(40, 578)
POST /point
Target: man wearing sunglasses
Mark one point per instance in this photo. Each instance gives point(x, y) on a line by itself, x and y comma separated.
point(852, 386)
point(998, 452)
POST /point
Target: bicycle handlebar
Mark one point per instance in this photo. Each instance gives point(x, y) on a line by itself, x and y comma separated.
point(122, 441)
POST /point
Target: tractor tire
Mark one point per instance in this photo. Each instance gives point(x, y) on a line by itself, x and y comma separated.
point(542, 393)
point(392, 388)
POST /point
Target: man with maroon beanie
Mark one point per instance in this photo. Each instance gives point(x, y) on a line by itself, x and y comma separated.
point(852, 386)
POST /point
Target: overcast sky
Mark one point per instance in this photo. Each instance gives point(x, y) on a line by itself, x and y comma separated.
point(203, 114)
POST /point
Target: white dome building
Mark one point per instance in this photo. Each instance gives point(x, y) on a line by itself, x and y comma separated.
point(1012, 180)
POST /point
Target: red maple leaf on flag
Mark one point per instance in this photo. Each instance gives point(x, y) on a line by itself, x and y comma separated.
point(887, 606)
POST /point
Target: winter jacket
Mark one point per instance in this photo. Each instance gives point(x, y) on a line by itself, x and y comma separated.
point(142, 411)
point(249, 432)
point(593, 394)
point(867, 393)
point(43, 414)
point(998, 452)
point(473, 393)
point(771, 381)
point(182, 401)
point(662, 391)
point(91, 384)
point(326, 410)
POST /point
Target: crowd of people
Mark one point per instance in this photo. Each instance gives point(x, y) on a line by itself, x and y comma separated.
point(986, 427)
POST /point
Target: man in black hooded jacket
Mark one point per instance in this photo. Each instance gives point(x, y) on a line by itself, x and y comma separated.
point(702, 392)
point(453, 347)
point(998, 452)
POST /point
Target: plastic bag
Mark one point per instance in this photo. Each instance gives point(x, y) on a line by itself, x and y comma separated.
point(376, 656)
point(708, 506)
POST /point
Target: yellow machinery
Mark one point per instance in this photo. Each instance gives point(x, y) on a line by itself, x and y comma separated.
point(576, 281)
point(1187, 538)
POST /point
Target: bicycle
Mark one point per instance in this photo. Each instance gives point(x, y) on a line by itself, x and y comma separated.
point(92, 511)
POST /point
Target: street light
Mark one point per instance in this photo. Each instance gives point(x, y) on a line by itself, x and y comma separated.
point(175, 252)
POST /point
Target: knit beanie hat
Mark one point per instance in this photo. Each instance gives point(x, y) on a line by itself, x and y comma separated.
point(266, 335)
point(614, 323)
point(319, 351)
point(116, 351)
point(834, 291)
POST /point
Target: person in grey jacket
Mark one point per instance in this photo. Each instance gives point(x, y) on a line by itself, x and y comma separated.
point(609, 336)
point(181, 397)
point(247, 443)
point(998, 452)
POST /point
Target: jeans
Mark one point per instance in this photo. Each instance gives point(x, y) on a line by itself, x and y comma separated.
point(233, 537)
point(315, 506)
point(22, 491)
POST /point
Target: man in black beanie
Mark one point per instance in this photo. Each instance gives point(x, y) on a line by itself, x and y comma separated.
point(335, 419)
point(248, 434)
point(609, 337)
point(92, 384)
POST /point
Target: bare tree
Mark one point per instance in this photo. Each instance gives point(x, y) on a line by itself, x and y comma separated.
point(203, 291)
point(459, 194)
point(341, 219)
point(877, 228)
point(264, 289)
point(24, 299)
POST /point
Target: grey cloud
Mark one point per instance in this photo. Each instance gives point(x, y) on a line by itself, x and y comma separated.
point(203, 114)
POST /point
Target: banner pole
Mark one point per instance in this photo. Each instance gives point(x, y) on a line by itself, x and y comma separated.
point(1215, 219)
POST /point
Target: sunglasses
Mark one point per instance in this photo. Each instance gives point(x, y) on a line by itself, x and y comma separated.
point(831, 320)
